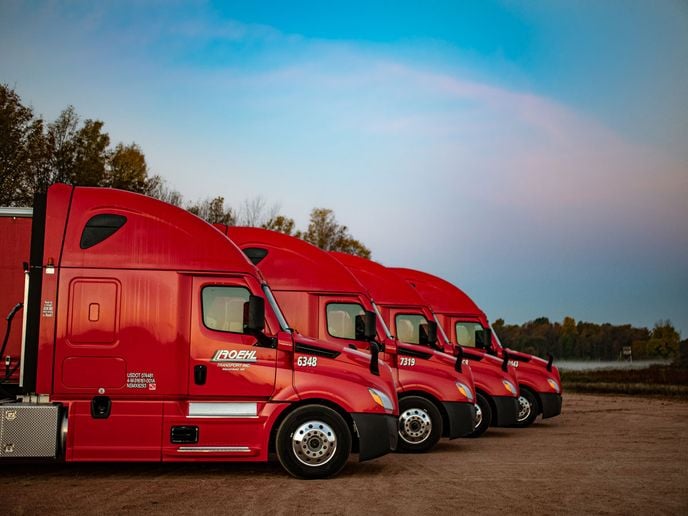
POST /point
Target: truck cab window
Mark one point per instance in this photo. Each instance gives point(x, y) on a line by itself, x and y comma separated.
point(341, 319)
point(99, 228)
point(409, 328)
point(223, 308)
point(469, 334)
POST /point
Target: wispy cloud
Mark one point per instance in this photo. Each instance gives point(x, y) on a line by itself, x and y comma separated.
point(431, 164)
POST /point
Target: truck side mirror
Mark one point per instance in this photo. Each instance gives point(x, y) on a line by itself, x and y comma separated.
point(366, 326)
point(488, 341)
point(480, 339)
point(458, 351)
point(374, 358)
point(254, 314)
point(428, 334)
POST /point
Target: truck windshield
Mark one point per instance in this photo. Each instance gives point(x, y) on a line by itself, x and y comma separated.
point(382, 321)
point(275, 308)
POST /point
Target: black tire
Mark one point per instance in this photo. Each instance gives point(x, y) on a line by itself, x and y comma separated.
point(483, 416)
point(420, 425)
point(528, 408)
point(313, 442)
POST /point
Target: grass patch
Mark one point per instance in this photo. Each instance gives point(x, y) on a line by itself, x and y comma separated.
point(656, 380)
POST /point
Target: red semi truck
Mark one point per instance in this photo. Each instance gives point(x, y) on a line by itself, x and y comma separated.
point(465, 323)
point(150, 337)
point(323, 300)
point(406, 313)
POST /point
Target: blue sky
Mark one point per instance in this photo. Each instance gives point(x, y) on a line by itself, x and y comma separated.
point(533, 153)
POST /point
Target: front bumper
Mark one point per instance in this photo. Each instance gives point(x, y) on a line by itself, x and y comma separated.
point(377, 434)
point(551, 404)
point(461, 417)
point(507, 410)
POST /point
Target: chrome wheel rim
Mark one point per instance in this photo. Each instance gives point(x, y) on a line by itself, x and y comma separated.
point(314, 443)
point(478, 419)
point(524, 409)
point(415, 425)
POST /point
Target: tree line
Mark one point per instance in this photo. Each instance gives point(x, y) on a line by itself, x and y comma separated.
point(589, 341)
point(35, 154)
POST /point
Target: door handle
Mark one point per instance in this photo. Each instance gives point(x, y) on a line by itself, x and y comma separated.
point(100, 407)
point(200, 374)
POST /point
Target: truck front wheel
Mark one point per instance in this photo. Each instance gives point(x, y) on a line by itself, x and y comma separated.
point(420, 424)
point(483, 416)
point(314, 441)
point(527, 408)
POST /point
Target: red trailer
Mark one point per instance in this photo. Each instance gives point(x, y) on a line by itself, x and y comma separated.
point(150, 337)
point(15, 242)
point(465, 323)
point(406, 313)
point(323, 300)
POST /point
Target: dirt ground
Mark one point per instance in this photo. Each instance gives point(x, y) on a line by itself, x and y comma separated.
point(603, 455)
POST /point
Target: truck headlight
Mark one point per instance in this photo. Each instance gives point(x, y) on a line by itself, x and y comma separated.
point(510, 387)
point(465, 390)
point(381, 399)
point(553, 384)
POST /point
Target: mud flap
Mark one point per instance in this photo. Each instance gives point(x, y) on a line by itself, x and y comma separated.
point(377, 433)
point(551, 404)
point(461, 418)
point(507, 410)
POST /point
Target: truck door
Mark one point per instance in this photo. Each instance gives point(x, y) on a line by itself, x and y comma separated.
point(225, 362)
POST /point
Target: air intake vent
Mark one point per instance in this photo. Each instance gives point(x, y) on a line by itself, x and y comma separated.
point(255, 254)
point(184, 435)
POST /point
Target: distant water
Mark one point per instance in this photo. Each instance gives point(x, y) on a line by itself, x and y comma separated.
point(580, 365)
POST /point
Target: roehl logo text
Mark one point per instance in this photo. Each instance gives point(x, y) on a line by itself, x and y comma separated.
point(233, 355)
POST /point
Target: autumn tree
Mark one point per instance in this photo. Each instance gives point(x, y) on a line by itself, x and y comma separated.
point(326, 233)
point(127, 169)
point(587, 340)
point(73, 147)
point(158, 188)
point(280, 223)
point(256, 212)
point(34, 155)
point(213, 210)
point(23, 153)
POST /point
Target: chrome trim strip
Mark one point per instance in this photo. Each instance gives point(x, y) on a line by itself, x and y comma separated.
point(16, 212)
point(233, 409)
point(23, 330)
point(215, 449)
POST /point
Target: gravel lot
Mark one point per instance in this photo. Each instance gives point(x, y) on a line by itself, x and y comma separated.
point(604, 455)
